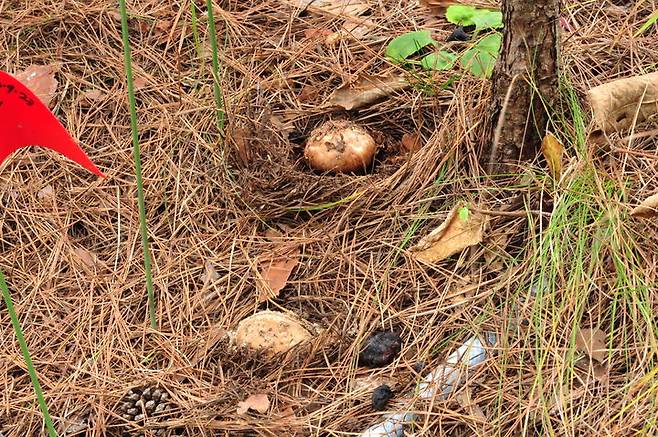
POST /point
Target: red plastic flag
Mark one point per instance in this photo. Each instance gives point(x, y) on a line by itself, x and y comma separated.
point(26, 121)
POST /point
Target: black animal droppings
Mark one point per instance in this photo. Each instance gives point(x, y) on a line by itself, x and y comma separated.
point(459, 34)
point(381, 396)
point(380, 349)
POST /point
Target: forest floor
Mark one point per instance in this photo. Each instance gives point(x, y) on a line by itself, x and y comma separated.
point(558, 258)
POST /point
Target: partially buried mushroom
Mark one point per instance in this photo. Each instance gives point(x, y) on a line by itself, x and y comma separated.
point(340, 146)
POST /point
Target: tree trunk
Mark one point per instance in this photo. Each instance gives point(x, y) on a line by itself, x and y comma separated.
point(525, 82)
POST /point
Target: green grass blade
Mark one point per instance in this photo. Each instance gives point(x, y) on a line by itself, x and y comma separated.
point(650, 21)
point(26, 356)
point(195, 34)
point(219, 98)
point(138, 164)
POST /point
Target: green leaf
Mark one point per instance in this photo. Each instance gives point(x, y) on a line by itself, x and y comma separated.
point(441, 60)
point(464, 15)
point(481, 58)
point(485, 19)
point(407, 44)
point(461, 14)
point(463, 213)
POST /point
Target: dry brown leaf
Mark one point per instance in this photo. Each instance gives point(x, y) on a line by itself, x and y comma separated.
point(40, 79)
point(462, 228)
point(287, 412)
point(366, 90)
point(411, 142)
point(90, 98)
point(439, 7)
point(258, 402)
point(616, 104)
point(85, 256)
point(308, 94)
point(648, 208)
point(275, 271)
point(209, 272)
point(338, 8)
point(592, 342)
point(552, 150)
point(139, 83)
point(463, 397)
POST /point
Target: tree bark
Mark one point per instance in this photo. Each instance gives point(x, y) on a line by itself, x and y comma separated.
point(525, 82)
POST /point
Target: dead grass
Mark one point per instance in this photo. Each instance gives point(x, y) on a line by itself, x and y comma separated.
point(74, 264)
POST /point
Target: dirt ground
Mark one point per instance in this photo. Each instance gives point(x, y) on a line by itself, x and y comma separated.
point(556, 256)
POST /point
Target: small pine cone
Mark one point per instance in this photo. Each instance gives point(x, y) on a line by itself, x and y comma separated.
point(141, 403)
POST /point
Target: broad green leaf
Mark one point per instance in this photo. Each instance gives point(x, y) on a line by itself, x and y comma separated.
point(485, 19)
point(481, 58)
point(461, 14)
point(442, 60)
point(407, 44)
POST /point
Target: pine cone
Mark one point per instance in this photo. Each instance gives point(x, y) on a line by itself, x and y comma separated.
point(138, 404)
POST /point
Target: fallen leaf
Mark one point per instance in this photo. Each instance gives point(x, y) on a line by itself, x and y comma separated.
point(85, 256)
point(287, 412)
point(463, 397)
point(139, 83)
point(624, 102)
point(239, 137)
point(411, 142)
point(314, 33)
point(40, 79)
point(258, 402)
point(308, 94)
point(365, 90)
point(46, 192)
point(338, 8)
point(648, 208)
point(209, 272)
point(91, 97)
point(592, 342)
point(275, 270)
point(461, 229)
point(439, 7)
point(358, 27)
point(366, 384)
point(552, 150)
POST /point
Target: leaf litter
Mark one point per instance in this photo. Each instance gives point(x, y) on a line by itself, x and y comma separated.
point(366, 90)
point(461, 229)
point(347, 280)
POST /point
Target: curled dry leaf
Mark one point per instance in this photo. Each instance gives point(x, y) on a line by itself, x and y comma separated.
point(615, 104)
point(258, 402)
point(275, 269)
point(411, 142)
point(366, 90)
point(270, 332)
point(462, 228)
point(592, 343)
point(552, 150)
point(648, 208)
point(40, 79)
point(337, 8)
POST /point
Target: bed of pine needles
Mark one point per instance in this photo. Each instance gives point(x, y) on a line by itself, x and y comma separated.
point(70, 244)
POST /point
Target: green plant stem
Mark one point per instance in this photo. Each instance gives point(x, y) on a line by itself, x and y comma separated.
point(195, 34)
point(138, 165)
point(26, 356)
point(219, 98)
